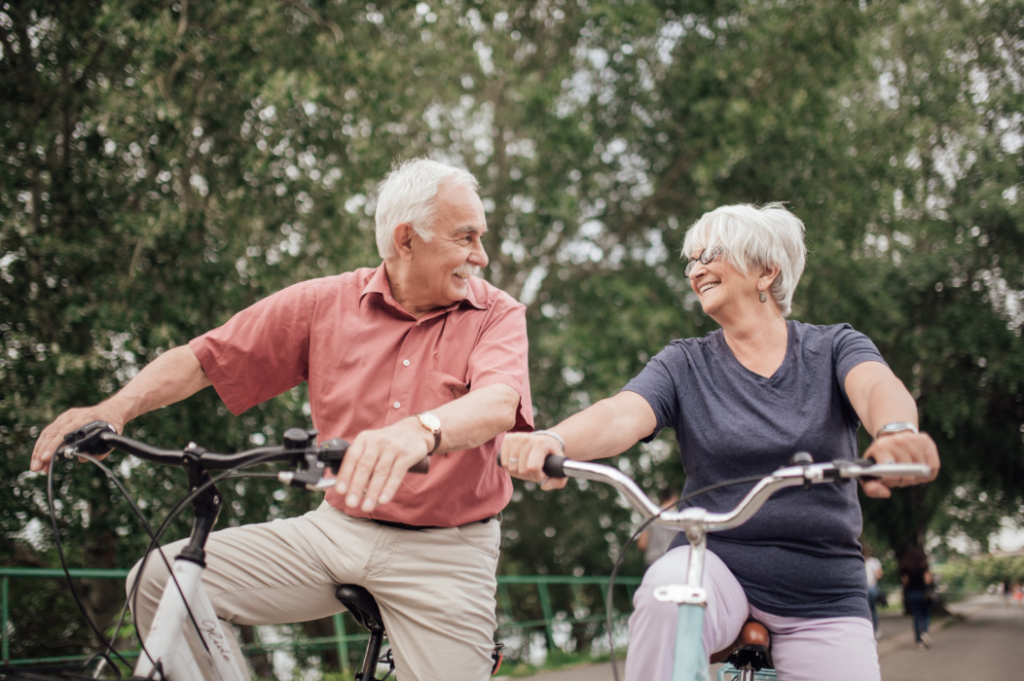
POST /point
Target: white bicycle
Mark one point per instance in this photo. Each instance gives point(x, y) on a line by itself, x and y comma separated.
point(185, 611)
point(748, 657)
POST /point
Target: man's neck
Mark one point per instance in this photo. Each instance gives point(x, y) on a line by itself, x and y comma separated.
point(403, 288)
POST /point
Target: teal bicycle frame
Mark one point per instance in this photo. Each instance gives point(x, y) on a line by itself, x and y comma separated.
point(691, 660)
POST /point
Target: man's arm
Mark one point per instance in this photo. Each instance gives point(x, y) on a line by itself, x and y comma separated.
point(170, 378)
point(880, 398)
point(377, 461)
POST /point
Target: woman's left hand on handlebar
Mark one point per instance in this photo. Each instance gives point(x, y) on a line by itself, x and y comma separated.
point(523, 456)
point(901, 448)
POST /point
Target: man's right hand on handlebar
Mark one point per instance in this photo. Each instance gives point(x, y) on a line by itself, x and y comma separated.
point(52, 436)
point(377, 461)
point(523, 455)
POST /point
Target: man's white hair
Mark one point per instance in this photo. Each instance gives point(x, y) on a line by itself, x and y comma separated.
point(407, 196)
point(755, 237)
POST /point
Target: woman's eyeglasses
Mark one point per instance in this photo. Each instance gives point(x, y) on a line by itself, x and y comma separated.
point(706, 256)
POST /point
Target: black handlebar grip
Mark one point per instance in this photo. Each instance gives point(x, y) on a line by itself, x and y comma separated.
point(553, 466)
point(422, 466)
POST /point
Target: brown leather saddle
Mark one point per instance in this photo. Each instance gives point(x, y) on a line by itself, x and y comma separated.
point(751, 649)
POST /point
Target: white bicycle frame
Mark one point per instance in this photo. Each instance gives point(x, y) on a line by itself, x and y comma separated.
point(691, 660)
point(175, 646)
point(186, 641)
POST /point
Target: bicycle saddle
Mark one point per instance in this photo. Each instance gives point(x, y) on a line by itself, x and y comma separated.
point(361, 604)
point(752, 647)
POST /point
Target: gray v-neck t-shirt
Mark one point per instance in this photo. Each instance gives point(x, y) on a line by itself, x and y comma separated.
point(799, 555)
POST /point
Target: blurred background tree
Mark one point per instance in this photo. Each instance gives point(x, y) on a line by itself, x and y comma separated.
point(167, 164)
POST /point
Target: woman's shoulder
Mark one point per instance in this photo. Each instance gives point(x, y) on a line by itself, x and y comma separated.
point(820, 330)
point(830, 338)
point(694, 344)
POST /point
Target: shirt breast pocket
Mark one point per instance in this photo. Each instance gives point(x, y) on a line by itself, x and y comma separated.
point(447, 387)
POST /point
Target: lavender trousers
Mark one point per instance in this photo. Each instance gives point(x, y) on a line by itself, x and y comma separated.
point(803, 649)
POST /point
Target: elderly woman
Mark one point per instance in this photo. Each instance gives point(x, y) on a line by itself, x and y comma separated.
point(742, 400)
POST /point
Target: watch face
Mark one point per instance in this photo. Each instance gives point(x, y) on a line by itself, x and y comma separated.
point(430, 422)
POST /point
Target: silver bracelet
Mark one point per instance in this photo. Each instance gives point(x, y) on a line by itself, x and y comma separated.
point(896, 427)
point(552, 434)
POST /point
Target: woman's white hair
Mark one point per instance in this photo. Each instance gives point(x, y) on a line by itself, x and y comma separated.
point(755, 237)
point(407, 196)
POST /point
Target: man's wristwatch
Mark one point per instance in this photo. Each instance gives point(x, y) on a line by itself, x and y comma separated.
point(433, 424)
point(896, 427)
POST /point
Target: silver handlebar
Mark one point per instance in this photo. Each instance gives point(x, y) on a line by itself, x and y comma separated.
point(694, 517)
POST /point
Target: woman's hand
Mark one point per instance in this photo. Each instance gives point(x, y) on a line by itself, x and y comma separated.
point(605, 429)
point(523, 456)
point(879, 398)
point(906, 447)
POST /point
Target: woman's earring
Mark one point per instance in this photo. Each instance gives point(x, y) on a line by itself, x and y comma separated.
point(761, 296)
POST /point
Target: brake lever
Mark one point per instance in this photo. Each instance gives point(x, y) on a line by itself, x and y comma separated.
point(866, 463)
point(310, 476)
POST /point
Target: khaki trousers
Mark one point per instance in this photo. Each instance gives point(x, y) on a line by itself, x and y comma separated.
point(435, 587)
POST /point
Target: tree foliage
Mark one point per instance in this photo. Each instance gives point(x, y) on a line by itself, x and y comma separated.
point(165, 165)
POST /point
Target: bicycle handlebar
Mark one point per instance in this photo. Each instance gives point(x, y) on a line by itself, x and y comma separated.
point(99, 437)
point(799, 474)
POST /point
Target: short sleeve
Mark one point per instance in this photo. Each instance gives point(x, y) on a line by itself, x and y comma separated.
point(500, 356)
point(658, 384)
point(850, 348)
point(260, 352)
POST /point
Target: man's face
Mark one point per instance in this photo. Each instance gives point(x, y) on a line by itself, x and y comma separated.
point(442, 266)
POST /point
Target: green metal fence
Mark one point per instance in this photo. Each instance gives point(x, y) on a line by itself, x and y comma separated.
point(341, 640)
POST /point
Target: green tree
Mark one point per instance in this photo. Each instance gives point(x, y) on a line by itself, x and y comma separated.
point(166, 165)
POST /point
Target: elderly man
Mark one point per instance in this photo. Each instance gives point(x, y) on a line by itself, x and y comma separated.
point(413, 357)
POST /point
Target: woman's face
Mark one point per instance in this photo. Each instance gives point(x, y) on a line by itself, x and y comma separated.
point(720, 287)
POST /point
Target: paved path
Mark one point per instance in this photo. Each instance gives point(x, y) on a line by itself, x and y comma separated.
point(985, 641)
point(986, 646)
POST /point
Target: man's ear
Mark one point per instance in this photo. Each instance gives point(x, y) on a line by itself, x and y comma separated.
point(403, 240)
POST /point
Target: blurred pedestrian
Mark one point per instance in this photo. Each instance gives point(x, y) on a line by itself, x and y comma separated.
point(655, 540)
point(873, 568)
point(918, 592)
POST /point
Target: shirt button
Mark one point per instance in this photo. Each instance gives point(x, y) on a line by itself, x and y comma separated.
point(406, 363)
point(398, 405)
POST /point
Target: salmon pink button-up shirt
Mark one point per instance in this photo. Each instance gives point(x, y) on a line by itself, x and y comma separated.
point(369, 363)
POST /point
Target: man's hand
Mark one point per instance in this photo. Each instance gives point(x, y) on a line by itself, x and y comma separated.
point(523, 455)
point(171, 377)
point(904, 447)
point(377, 460)
point(52, 436)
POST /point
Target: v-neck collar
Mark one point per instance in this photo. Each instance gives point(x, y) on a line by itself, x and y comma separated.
point(760, 377)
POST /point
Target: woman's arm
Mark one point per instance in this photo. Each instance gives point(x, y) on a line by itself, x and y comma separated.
point(880, 398)
point(610, 427)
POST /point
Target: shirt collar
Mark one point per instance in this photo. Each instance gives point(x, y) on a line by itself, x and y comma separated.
point(379, 283)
